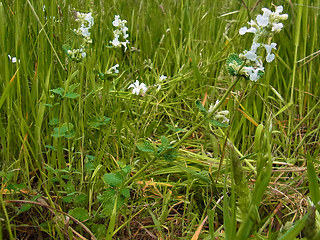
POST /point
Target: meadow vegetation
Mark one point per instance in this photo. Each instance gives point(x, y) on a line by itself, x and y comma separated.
point(120, 120)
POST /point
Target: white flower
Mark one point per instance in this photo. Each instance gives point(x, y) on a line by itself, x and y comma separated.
point(270, 56)
point(125, 44)
point(222, 115)
point(251, 55)
point(13, 59)
point(158, 86)
point(263, 20)
point(137, 87)
point(276, 27)
point(253, 72)
point(219, 115)
point(88, 17)
point(114, 68)
point(115, 42)
point(84, 31)
point(213, 106)
point(83, 53)
point(244, 30)
point(162, 77)
point(116, 21)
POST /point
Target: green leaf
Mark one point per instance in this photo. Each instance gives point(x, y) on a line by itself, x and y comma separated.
point(24, 208)
point(59, 91)
point(71, 95)
point(313, 180)
point(125, 192)
point(293, 232)
point(100, 231)
point(72, 87)
point(201, 108)
point(79, 213)
point(65, 130)
point(100, 74)
point(113, 179)
point(165, 142)
point(96, 122)
point(51, 147)
point(233, 64)
point(67, 199)
point(146, 146)
point(217, 123)
point(80, 199)
point(54, 121)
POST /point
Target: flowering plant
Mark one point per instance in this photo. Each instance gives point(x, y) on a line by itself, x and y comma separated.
point(249, 63)
point(86, 22)
point(120, 32)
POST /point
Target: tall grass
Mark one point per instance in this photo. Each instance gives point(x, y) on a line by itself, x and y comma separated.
point(81, 156)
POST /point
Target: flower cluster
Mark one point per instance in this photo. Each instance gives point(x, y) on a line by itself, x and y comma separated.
point(77, 54)
point(86, 20)
point(219, 115)
point(249, 63)
point(138, 87)
point(120, 32)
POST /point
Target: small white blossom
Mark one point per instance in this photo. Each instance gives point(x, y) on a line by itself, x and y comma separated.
point(276, 27)
point(13, 59)
point(270, 56)
point(137, 88)
point(253, 72)
point(219, 115)
point(115, 42)
point(114, 68)
point(162, 77)
point(158, 86)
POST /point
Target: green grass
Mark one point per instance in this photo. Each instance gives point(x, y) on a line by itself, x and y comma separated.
point(99, 161)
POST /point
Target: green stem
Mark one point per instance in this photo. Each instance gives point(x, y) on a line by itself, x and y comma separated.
point(187, 134)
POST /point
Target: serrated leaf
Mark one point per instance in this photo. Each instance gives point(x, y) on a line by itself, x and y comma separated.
point(164, 142)
point(59, 91)
point(125, 192)
point(89, 167)
point(80, 199)
point(113, 179)
point(67, 199)
point(72, 87)
point(100, 231)
point(146, 146)
point(54, 121)
point(79, 213)
point(126, 169)
point(96, 122)
point(65, 130)
point(71, 95)
point(201, 108)
point(217, 123)
point(233, 63)
point(70, 135)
